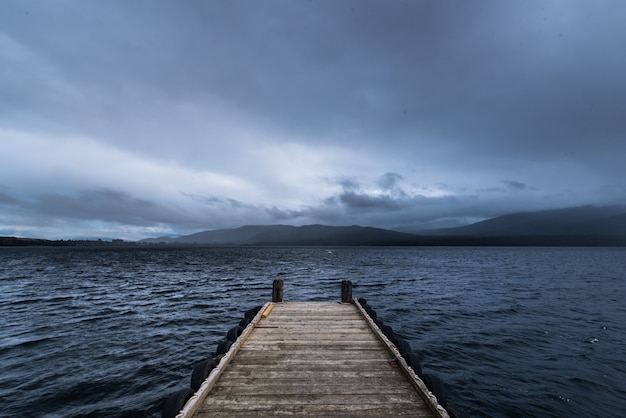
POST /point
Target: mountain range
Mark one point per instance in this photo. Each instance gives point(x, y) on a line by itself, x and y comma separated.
point(578, 226)
point(294, 235)
point(581, 221)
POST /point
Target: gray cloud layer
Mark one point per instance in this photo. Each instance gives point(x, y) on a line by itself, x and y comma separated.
point(159, 117)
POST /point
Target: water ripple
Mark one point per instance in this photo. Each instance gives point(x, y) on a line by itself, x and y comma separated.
point(92, 332)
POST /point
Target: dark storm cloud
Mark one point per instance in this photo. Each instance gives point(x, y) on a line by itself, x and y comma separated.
point(410, 213)
point(352, 200)
point(438, 110)
point(514, 81)
point(389, 207)
point(514, 185)
point(5, 196)
point(389, 181)
point(102, 204)
point(218, 201)
point(436, 66)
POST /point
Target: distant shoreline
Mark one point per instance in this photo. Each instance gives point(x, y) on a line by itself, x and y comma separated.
point(419, 241)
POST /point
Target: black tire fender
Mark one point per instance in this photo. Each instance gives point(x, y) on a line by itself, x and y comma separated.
point(251, 313)
point(371, 312)
point(435, 385)
point(200, 372)
point(404, 348)
point(222, 348)
point(234, 333)
point(457, 413)
point(175, 402)
point(415, 364)
point(388, 332)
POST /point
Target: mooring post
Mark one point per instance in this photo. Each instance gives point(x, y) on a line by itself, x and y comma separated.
point(346, 291)
point(277, 291)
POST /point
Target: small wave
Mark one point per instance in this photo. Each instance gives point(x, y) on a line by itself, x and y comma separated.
point(139, 320)
point(27, 342)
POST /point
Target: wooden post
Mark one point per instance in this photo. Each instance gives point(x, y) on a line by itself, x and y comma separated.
point(346, 291)
point(277, 291)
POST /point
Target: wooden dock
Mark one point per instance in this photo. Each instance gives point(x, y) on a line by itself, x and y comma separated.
point(312, 359)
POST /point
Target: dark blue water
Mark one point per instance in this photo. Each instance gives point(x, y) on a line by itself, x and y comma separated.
point(511, 331)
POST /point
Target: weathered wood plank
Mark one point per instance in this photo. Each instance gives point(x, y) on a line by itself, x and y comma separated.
point(310, 399)
point(319, 328)
point(359, 376)
point(281, 387)
point(335, 322)
point(320, 411)
point(306, 336)
point(333, 342)
point(355, 357)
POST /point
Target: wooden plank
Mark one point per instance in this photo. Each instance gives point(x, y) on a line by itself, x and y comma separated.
point(337, 342)
point(355, 357)
point(310, 359)
point(267, 311)
point(359, 376)
point(319, 411)
point(212, 402)
point(338, 386)
point(303, 337)
point(308, 335)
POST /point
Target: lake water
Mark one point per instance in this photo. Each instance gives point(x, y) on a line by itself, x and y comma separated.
point(512, 332)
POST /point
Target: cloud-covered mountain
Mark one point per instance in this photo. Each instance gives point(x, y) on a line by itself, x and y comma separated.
point(577, 221)
point(294, 235)
point(579, 226)
point(588, 225)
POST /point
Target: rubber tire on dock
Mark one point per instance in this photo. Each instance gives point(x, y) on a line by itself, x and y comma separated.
point(435, 385)
point(200, 372)
point(251, 313)
point(371, 312)
point(457, 413)
point(415, 364)
point(234, 333)
point(175, 402)
point(223, 347)
point(404, 348)
point(388, 332)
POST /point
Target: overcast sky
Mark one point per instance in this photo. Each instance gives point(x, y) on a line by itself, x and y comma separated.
point(134, 119)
